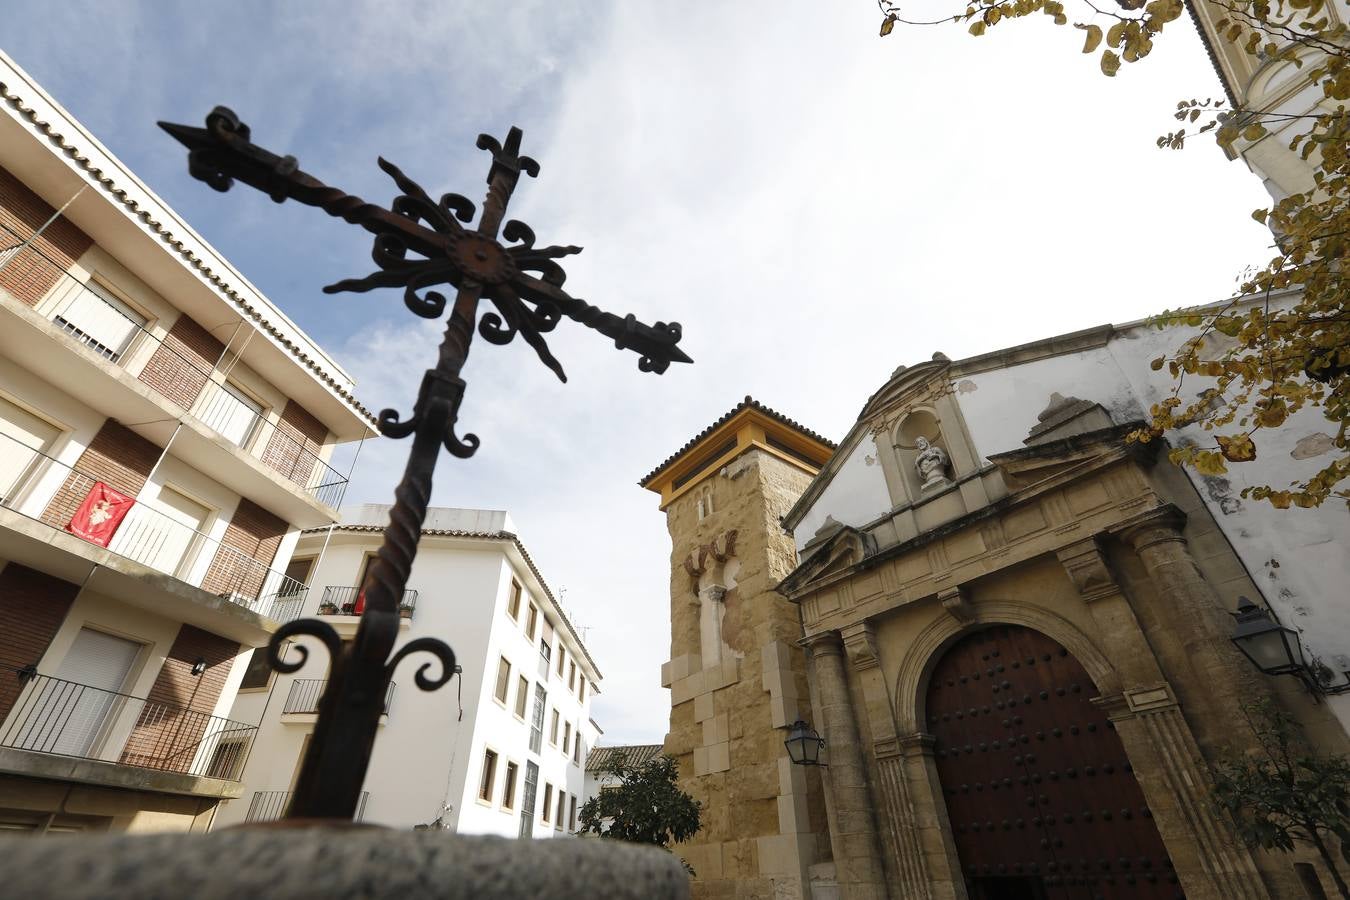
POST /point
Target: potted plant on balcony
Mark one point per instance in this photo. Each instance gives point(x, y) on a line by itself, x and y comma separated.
point(328, 608)
point(349, 609)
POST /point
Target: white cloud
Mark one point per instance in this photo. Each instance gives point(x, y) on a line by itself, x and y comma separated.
point(816, 206)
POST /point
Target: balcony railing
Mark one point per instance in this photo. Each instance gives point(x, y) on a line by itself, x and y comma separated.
point(267, 806)
point(50, 715)
point(306, 692)
point(40, 487)
point(94, 320)
point(341, 600)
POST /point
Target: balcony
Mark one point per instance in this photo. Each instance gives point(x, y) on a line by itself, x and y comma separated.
point(174, 747)
point(306, 693)
point(111, 336)
point(270, 805)
point(341, 600)
point(41, 488)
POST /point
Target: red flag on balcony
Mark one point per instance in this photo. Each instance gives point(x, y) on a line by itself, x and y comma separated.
point(99, 515)
point(360, 606)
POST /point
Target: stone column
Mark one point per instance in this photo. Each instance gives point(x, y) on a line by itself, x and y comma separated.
point(857, 851)
point(905, 866)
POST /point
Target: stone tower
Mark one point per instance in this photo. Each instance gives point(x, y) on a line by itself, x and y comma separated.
point(736, 674)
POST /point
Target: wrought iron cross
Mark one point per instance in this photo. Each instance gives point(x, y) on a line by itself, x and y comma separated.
point(524, 284)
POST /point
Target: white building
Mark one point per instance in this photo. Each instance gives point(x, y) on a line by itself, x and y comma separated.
point(165, 435)
point(499, 750)
point(601, 758)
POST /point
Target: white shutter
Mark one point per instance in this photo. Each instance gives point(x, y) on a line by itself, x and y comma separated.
point(68, 714)
point(100, 320)
point(161, 533)
point(229, 411)
point(22, 437)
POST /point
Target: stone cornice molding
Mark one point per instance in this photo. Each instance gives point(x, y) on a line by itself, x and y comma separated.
point(918, 743)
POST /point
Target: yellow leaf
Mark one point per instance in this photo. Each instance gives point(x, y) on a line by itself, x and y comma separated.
point(1094, 37)
point(1116, 34)
point(977, 29)
point(1209, 462)
point(1156, 364)
point(1238, 448)
point(1279, 499)
point(888, 25)
point(1110, 63)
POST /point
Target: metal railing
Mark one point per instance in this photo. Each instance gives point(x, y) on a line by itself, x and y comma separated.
point(306, 693)
point(91, 319)
point(267, 806)
point(340, 600)
point(40, 487)
point(64, 718)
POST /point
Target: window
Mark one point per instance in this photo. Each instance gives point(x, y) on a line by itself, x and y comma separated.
point(562, 657)
point(581, 695)
point(489, 775)
point(522, 696)
point(532, 621)
point(23, 439)
point(509, 788)
point(558, 816)
point(259, 673)
point(553, 730)
point(548, 798)
point(537, 722)
point(226, 408)
point(100, 321)
point(576, 749)
point(527, 802)
point(567, 737)
point(513, 605)
point(572, 813)
point(503, 680)
point(571, 676)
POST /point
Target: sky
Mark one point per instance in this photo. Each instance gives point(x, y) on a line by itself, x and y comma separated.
point(816, 205)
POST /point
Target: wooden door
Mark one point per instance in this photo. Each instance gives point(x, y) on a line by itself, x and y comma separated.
point(1042, 800)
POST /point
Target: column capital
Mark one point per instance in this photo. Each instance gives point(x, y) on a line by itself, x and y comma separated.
point(920, 743)
point(1158, 525)
point(824, 643)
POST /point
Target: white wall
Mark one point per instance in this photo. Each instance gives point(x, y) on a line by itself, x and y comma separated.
point(426, 756)
point(856, 495)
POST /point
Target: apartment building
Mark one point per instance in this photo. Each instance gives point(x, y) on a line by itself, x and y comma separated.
point(501, 748)
point(165, 436)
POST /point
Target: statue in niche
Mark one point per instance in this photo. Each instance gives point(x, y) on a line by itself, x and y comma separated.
point(931, 463)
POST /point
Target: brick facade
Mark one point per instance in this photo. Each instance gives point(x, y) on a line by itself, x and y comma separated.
point(180, 366)
point(34, 272)
point(177, 714)
point(32, 607)
point(294, 447)
point(117, 456)
point(256, 534)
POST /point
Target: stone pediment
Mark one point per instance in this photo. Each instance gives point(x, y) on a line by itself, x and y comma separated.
point(834, 549)
point(1047, 459)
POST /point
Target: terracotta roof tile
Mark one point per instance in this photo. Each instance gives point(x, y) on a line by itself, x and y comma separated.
point(635, 754)
point(748, 403)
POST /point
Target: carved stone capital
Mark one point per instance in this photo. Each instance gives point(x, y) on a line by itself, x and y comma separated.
point(860, 642)
point(957, 604)
point(826, 643)
point(713, 592)
point(1152, 526)
point(710, 556)
point(1089, 571)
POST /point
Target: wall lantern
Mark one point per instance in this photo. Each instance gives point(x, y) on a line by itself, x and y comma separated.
point(199, 666)
point(1276, 650)
point(804, 744)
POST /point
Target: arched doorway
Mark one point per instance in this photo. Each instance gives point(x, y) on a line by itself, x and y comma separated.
point(1042, 800)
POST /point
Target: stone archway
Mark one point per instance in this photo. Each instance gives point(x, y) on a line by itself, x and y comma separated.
point(1040, 795)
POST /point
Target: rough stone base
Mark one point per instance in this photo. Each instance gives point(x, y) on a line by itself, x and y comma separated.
point(334, 863)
